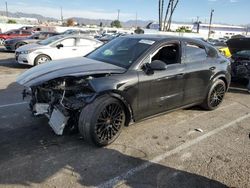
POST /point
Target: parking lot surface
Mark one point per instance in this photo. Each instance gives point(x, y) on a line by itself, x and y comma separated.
point(185, 148)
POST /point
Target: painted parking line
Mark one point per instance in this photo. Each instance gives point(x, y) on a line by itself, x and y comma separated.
point(118, 180)
point(13, 104)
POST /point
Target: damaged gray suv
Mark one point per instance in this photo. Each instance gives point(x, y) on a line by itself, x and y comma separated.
point(126, 80)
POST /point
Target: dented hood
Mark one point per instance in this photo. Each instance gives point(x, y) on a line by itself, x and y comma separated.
point(238, 44)
point(68, 67)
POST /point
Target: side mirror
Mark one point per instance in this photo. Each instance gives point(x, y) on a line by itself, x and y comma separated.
point(59, 46)
point(158, 65)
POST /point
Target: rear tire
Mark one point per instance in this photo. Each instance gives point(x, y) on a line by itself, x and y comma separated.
point(19, 45)
point(40, 59)
point(101, 122)
point(215, 95)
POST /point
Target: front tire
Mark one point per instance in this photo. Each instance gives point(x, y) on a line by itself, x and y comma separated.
point(215, 95)
point(102, 121)
point(40, 59)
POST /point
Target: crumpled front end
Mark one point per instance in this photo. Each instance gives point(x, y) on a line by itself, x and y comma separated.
point(61, 100)
point(241, 68)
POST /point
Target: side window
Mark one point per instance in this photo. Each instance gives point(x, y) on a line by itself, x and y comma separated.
point(169, 54)
point(26, 32)
point(70, 42)
point(195, 53)
point(17, 32)
point(84, 42)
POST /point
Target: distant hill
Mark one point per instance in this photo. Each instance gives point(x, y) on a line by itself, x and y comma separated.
point(129, 23)
point(86, 21)
point(27, 15)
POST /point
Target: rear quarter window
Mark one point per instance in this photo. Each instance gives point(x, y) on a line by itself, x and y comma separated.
point(194, 53)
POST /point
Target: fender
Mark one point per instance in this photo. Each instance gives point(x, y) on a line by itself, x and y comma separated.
point(221, 75)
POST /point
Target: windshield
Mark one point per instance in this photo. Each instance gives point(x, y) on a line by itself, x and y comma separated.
point(50, 40)
point(122, 52)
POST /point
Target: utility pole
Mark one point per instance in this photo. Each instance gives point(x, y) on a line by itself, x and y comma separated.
point(61, 15)
point(136, 20)
point(118, 15)
point(6, 6)
point(210, 22)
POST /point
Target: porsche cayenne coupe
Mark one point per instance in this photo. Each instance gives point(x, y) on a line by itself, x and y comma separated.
point(128, 79)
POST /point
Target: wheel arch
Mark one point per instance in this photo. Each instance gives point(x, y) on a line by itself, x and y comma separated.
point(21, 42)
point(40, 55)
point(223, 77)
point(121, 98)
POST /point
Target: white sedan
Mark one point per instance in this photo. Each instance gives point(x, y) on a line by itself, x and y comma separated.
point(54, 48)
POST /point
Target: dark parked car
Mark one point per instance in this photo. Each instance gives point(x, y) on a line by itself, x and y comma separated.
point(13, 44)
point(126, 80)
point(13, 34)
point(240, 50)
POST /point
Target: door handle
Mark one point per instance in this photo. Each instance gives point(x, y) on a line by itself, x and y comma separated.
point(212, 68)
point(74, 49)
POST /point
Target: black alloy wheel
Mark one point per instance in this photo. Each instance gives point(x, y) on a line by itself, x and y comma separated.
point(215, 95)
point(102, 121)
point(109, 122)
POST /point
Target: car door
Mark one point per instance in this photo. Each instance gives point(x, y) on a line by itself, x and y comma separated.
point(65, 48)
point(162, 90)
point(197, 72)
point(84, 46)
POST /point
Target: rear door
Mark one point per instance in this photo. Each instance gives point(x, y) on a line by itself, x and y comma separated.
point(197, 72)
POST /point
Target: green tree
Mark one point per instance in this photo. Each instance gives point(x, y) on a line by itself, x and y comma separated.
point(70, 22)
point(11, 22)
point(139, 31)
point(183, 29)
point(116, 23)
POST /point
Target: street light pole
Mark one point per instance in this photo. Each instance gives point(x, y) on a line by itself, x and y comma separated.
point(210, 22)
point(118, 15)
point(61, 15)
point(136, 20)
point(6, 6)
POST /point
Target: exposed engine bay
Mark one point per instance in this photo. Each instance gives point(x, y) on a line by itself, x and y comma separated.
point(61, 100)
point(240, 50)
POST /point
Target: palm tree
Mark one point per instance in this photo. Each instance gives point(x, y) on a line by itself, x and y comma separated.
point(160, 17)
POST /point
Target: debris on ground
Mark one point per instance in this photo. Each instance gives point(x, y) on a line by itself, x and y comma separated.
point(199, 130)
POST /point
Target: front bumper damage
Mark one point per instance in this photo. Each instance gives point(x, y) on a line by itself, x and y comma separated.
point(61, 101)
point(57, 119)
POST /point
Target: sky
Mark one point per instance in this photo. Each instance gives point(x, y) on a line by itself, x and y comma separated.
point(226, 11)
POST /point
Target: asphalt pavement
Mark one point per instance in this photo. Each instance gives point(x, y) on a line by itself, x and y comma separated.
point(185, 148)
